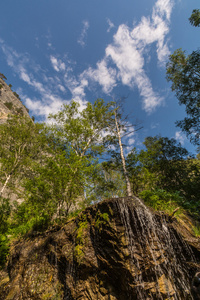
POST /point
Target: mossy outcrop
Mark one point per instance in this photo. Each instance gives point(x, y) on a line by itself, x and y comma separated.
point(114, 250)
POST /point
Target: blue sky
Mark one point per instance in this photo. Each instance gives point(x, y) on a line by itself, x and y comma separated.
point(54, 51)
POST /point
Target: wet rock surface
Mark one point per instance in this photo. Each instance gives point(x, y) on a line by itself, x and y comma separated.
point(116, 249)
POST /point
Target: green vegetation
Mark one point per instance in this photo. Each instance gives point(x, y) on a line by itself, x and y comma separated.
point(165, 166)
point(162, 200)
point(14, 93)
point(100, 220)
point(57, 170)
point(80, 238)
point(9, 105)
point(5, 210)
point(19, 111)
point(195, 18)
point(184, 73)
point(2, 76)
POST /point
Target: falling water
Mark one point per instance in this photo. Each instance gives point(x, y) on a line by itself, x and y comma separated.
point(166, 252)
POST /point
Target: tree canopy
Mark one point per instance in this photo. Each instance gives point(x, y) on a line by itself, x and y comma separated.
point(195, 18)
point(184, 73)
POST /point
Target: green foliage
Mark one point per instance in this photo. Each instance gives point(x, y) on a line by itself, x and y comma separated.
point(80, 238)
point(195, 18)
point(196, 230)
point(4, 249)
point(28, 218)
point(105, 182)
point(20, 143)
point(1, 86)
point(184, 73)
point(2, 76)
point(83, 131)
point(165, 165)
point(14, 93)
point(155, 166)
point(5, 210)
point(101, 219)
point(10, 85)
point(19, 111)
point(162, 200)
point(82, 135)
point(9, 105)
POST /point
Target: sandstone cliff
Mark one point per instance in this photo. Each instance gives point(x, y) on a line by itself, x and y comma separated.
point(116, 249)
point(9, 102)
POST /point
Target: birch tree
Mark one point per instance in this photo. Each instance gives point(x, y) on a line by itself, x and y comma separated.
point(82, 133)
point(20, 142)
point(121, 127)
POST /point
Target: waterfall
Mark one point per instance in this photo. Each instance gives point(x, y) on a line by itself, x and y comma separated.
point(166, 253)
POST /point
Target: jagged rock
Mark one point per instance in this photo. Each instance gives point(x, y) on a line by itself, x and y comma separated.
point(116, 249)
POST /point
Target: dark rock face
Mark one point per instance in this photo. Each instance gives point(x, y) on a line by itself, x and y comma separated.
point(114, 250)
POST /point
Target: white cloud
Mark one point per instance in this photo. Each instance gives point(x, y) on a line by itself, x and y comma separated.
point(43, 108)
point(103, 75)
point(81, 39)
point(62, 88)
point(124, 62)
point(57, 64)
point(127, 53)
point(48, 88)
point(24, 76)
point(110, 25)
point(180, 137)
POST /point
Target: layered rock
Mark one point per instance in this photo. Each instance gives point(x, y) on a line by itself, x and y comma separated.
point(116, 249)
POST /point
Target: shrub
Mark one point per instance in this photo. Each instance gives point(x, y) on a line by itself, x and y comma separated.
point(19, 111)
point(16, 95)
point(162, 200)
point(4, 227)
point(9, 105)
point(2, 76)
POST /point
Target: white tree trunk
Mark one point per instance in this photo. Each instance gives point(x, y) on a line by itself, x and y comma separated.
point(128, 185)
point(6, 182)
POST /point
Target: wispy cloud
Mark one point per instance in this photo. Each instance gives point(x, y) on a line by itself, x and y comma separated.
point(47, 88)
point(82, 38)
point(110, 25)
point(124, 62)
point(103, 75)
point(127, 53)
point(57, 64)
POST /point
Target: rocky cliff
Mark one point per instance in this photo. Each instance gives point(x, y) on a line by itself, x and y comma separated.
point(9, 102)
point(117, 249)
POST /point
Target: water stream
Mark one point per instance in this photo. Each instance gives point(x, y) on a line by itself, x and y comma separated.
point(155, 252)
